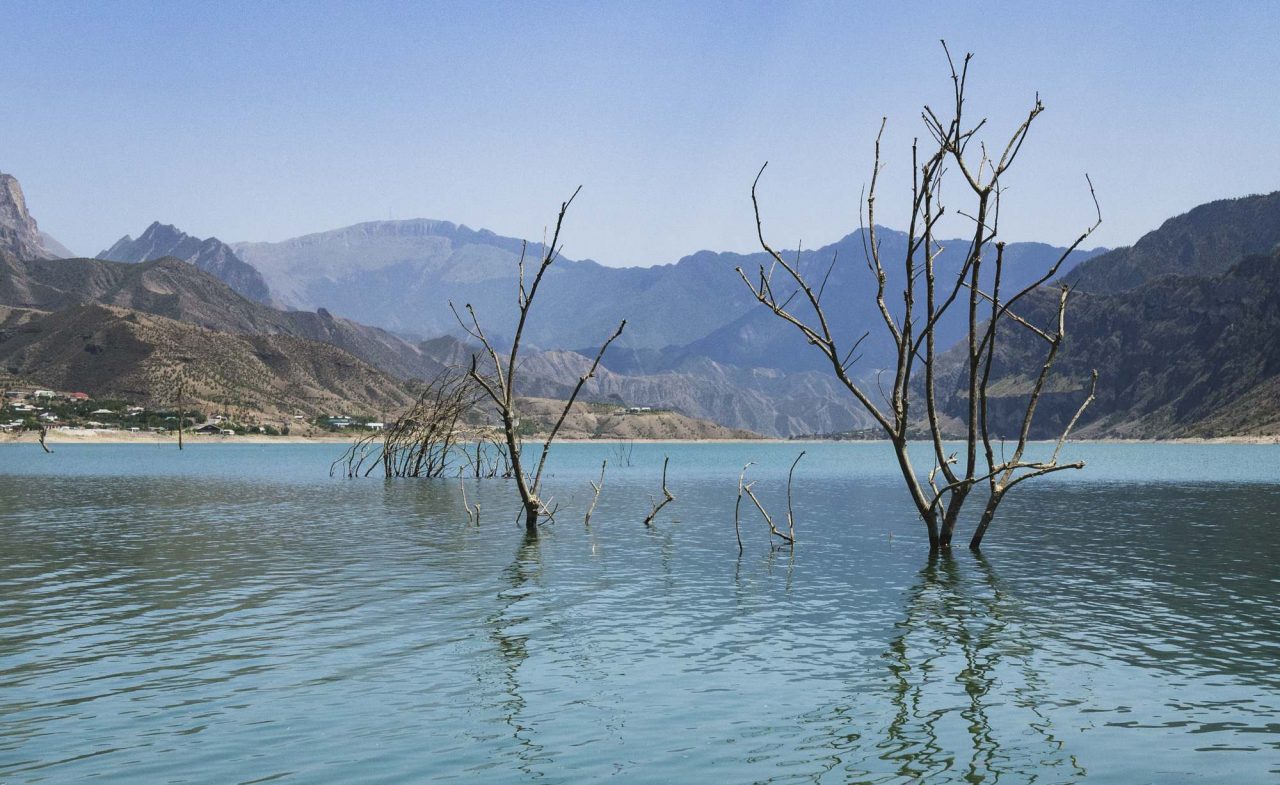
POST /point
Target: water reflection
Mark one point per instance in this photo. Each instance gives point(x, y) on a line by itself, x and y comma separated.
point(508, 626)
point(958, 693)
point(959, 647)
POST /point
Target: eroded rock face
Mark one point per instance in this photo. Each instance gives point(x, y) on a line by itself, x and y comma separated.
point(18, 231)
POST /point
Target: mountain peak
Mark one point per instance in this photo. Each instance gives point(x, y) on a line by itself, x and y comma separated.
point(211, 255)
point(157, 228)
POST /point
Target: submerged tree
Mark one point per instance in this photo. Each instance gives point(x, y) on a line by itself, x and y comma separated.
point(429, 440)
point(940, 495)
point(498, 378)
point(182, 406)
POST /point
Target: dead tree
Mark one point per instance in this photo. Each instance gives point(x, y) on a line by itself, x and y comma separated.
point(428, 440)
point(499, 382)
point(489, 457)
point(596, 487)
point(667, 495)
point(182, 393)
point(788, 536)
point(940, 497)
point(472, 517)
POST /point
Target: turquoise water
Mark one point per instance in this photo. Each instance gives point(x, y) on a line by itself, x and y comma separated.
point(232, 614)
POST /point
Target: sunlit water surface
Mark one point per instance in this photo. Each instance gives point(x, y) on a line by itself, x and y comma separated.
point(231, 614)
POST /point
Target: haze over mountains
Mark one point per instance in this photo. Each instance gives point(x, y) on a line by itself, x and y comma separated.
point(211, 255)
point(402, 275)
point(1162, 320)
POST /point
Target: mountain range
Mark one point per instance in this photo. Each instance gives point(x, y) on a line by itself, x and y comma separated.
point(402, 275)
point(696, 341)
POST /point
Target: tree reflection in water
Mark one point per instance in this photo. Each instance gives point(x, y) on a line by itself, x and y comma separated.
point(512, 647)
point(963, 691)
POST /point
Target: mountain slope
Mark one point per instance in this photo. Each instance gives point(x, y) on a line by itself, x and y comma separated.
point(116, 352)
point(179, 291)
point(210, 255)
point(1207, 240)
point(758, 338)
point(1177, 356)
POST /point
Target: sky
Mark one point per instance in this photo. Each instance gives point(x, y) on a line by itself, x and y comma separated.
point(264, 121)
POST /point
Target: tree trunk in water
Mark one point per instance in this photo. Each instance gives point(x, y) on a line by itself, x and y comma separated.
point(531, 519)
point(987, 514)
point(917, 495)
point(954, 505)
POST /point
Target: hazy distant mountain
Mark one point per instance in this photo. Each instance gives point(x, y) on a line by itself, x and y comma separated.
point(211, 255)
point(758, 338)
point(1207, 240)
point(1189, 353)
point(402, 274)
point(55, 249)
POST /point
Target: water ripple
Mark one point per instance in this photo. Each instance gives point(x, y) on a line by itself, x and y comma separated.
point(235, 616)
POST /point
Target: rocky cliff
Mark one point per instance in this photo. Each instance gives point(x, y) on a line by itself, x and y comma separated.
point(18, 231)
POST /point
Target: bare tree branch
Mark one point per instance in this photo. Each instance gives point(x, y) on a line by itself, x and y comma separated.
point(667, 496)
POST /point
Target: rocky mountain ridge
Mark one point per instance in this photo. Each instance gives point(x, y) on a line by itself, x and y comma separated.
point(211, 255)
point(402, 275)
point(737, 364)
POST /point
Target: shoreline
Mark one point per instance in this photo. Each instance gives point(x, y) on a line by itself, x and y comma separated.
point(118, 437)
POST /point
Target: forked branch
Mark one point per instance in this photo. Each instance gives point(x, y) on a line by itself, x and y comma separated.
point(667, 495)
point(595, 487)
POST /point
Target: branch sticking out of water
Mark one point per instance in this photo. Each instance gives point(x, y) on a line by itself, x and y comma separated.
point(595, 486)
point(667, 495)
point(788, 536)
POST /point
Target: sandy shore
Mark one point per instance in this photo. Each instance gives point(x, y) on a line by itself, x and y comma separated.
point(124, 437)
point(88, 436)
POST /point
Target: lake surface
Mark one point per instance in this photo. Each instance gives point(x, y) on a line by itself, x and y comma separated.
point(231, 614)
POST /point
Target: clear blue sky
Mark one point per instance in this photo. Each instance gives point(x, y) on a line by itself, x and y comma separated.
point(262, 121)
